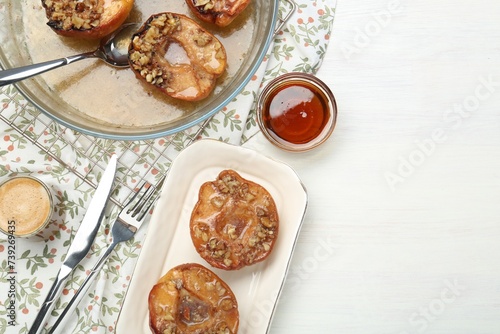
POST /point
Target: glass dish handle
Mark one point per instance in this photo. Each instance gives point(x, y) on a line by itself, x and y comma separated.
point(283, 20)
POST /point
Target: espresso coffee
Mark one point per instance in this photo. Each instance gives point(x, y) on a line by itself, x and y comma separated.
point(25, 206)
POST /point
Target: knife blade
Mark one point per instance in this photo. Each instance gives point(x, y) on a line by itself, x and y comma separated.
point(80, 245)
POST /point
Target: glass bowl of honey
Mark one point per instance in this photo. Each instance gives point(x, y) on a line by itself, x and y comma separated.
point(296, 112)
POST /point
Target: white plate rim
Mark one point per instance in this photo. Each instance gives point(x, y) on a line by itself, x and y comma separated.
point(213, 155)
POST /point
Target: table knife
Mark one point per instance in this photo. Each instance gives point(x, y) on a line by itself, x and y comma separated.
point(81, 243)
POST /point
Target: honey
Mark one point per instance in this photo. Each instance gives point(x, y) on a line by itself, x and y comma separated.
point(296, 112)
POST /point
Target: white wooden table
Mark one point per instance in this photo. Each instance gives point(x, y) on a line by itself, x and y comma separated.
point(402, 233)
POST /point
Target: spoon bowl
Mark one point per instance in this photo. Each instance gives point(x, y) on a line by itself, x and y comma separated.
point(113, 50)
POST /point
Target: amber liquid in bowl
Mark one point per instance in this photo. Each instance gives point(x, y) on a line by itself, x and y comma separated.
point(296, 112)
point(25, 206)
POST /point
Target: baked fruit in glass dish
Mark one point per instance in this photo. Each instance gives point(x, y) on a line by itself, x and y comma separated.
point(88, 19)
point(234, 223)
point(218, 12)
point(190, 298)
point(177, 56)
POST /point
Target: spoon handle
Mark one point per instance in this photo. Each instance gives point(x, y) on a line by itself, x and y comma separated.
point(20, 73)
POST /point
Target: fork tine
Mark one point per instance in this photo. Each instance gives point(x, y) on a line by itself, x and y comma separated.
point(129, 205)
point(142, 206)
point(134, 206)
point(156, 193)
point(143, 202)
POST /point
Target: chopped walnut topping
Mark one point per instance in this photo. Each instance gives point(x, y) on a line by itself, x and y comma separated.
point(192, 298)
point(201, 2)
point(218, 201)
point(142, 49)
point(226, 304)
point(267, 222)
point(241, 220)
point(219, 12)
point(202, 39)
point(205, 55)
point(73, 14)
point(231, 232)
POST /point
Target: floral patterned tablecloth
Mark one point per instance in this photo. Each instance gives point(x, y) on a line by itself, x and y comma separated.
point(33, 144)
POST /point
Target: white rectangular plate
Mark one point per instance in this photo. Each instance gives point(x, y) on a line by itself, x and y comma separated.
point(168, 242)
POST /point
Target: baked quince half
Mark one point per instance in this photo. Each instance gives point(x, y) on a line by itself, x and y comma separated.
point(88, 19)
point(234, 223)
point(219, 12)
point(190, 298)
point(177, 56)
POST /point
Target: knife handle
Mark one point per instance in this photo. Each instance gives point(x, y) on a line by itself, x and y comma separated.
point(48, 304)
point(77, 297)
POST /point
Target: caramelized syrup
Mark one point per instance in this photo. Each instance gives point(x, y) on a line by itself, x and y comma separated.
point(296, 112)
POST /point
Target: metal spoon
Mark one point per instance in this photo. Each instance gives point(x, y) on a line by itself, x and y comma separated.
point(113, 50)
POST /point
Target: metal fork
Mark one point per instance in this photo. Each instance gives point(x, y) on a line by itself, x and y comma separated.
point(124, 228)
